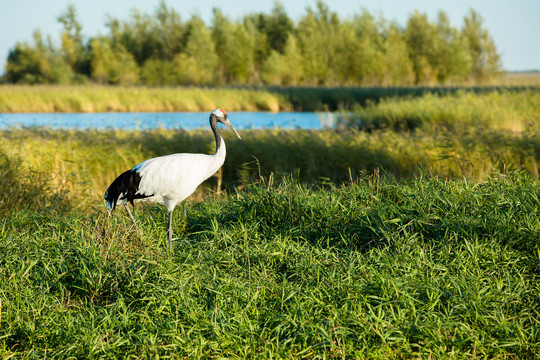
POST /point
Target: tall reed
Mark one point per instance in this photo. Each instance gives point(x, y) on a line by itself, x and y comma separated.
point(38, 99)
point(514, 111)
point(85, 162)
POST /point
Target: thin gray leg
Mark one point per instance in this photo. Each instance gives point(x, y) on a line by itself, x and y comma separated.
point(132, 219)
point(169, 231)
point(185, 215)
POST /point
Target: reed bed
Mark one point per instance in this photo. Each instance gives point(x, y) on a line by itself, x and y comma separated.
point(38, 99)
point(94, 98)
point(509, 111)
point(85, 162)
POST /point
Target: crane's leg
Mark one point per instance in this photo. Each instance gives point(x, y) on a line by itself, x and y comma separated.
point(184, 204)
point(132, 219)
point(169, 231)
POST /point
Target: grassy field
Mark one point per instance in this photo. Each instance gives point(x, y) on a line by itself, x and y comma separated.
point(379, 268)
point(524, 78)
point(380, 241)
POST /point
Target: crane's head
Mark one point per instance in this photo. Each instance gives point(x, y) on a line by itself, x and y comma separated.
point(221, 116)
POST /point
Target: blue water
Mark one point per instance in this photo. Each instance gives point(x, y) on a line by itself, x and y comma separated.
point(146, 121)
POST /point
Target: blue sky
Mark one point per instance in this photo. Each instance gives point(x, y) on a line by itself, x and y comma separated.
point(513, 25)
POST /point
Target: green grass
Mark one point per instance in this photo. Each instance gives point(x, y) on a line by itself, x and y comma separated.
point(379, 269)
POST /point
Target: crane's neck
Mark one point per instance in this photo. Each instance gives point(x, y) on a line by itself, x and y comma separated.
point(220, 143)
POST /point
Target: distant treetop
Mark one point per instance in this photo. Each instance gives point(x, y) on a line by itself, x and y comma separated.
point(261, 49)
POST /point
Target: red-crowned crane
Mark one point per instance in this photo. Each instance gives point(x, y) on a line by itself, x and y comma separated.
point(169, 179)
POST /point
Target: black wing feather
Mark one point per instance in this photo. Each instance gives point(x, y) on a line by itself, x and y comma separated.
point(125, 186)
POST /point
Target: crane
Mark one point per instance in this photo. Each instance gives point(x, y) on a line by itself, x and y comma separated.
point(170, 179)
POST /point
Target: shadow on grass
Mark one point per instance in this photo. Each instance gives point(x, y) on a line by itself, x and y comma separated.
point(378, 211)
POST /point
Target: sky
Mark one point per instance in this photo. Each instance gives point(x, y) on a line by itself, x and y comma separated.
point(513, 25)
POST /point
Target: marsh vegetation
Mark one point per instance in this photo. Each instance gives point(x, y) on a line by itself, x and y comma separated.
point(412, 232)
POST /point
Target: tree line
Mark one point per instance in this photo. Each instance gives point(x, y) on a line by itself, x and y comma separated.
point(320, 49)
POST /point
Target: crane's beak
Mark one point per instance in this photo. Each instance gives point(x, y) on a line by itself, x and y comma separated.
point(230, 126)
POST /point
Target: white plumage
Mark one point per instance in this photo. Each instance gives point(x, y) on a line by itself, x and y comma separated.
point(170, 179)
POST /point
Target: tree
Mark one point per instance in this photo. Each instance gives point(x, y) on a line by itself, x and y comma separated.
point(286, 68)
point(245, 40)
point(222, 35)
point(27, 64)
point(73, 49)
point(453, 61)
point(347, 59)
point(398, 68)
point(292, 57)
point(136, 35)
point(158, 36)
point(198, 63)
point(370, 56)
point(37, 64)
point(422, 41)
point(112, 64)
point(171, 31)
point(156, 72)
point(316, 36)
point(236, 49)
point(276, 27)
point(486, 61)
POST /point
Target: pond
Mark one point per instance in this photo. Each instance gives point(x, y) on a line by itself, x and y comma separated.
point(174, 120)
